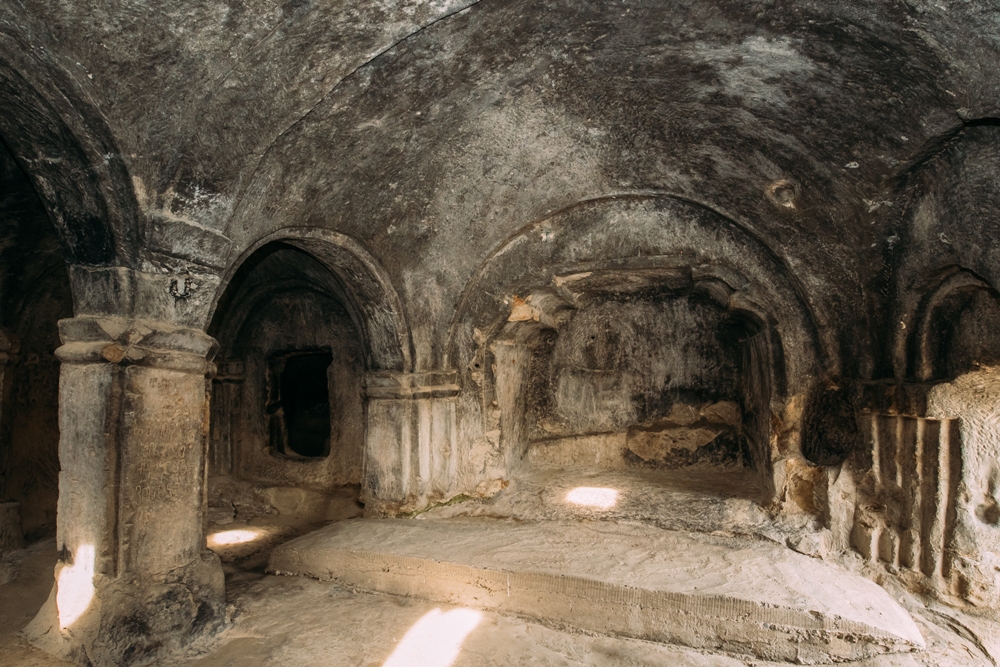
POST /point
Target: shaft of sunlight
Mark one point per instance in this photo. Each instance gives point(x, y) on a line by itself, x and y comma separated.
point(435, 640)
point(228, 537)
point(75, 586)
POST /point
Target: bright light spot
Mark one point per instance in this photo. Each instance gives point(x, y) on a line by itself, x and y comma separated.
point(75, 586)
point(435, 640)
point(590, 496)
point(227, 537)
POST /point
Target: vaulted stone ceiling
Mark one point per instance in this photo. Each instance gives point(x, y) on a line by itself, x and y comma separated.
point(432, 131)
point(494, 225)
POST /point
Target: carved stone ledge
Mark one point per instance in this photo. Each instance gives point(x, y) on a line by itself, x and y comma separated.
point(402, 386)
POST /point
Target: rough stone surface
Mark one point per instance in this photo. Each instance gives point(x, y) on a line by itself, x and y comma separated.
point(974, 398)
point(11, 532)
point(528, 233)
point(700, 499)
point(628, 580)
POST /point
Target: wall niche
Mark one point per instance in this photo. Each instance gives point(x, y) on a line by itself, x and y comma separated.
point(640, 370)
point(287, 404)
point(651, 370)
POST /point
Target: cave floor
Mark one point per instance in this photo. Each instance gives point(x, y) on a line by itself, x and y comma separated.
point(279, 621)
point(307, 623)
point(25, 582)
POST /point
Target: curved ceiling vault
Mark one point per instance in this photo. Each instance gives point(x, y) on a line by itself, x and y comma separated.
point(431, 131)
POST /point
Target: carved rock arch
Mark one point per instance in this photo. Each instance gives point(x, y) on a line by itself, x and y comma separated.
point(659, 240)
point(671, 232)
point(923, 362)
point(369, 294)
point(63, 145)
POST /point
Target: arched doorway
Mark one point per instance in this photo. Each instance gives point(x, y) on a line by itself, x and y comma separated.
point(287, 403)
point(304, 319)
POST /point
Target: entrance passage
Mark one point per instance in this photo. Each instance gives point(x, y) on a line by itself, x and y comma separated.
point(305, 404)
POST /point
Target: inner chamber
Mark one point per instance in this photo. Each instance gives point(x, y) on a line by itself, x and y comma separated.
point(34, 295)
point(287, 416)
point(653, 380)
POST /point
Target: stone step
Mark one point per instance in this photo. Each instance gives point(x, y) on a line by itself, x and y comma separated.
point(743, 596)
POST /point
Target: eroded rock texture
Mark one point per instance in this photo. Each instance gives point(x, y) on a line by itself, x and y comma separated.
point(414, 251)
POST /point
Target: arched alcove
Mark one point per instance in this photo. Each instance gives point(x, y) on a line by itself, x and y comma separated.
point(363, 285)
point(636, 369)
point(654, 331)
point(301, 323)
point(957, 327)
point(291, 356)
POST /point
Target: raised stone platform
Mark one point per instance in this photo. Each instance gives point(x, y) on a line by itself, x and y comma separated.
point(749, 597)
point(695, 499)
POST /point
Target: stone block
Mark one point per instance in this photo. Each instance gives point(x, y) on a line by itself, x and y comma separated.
point(186, 240)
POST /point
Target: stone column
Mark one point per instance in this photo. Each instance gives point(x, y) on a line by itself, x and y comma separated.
point(410, 441)
point(512, 373)
point(134, 575)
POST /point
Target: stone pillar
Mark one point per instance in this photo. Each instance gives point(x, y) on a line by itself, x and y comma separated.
point(227, 400)
point(512, 373)
point(410, 441)
point(134, 574)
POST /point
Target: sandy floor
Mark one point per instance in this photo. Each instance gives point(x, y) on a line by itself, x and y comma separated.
point(28, 579)
point(292, 621)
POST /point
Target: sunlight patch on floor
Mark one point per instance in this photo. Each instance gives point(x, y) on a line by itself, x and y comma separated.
point(229, 537)
point(435, 640)
point(590, 496)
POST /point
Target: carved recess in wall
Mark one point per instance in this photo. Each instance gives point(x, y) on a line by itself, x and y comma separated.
point(953, 327)
point(658, 253)
point(626, 353)
point(901, 498)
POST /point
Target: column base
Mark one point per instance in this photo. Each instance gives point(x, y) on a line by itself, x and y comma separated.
point(121, 621)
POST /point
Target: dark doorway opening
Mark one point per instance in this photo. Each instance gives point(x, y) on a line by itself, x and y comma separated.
point(300, 405)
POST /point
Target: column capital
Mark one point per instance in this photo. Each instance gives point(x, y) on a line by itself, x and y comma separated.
point(399, 386)
point(89, 340)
